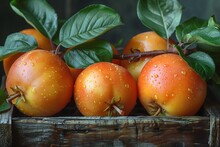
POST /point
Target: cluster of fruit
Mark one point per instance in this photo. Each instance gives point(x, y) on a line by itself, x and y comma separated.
point(60, 60)
point(41, 84)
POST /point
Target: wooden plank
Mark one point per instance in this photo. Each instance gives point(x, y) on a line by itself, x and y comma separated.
point(5, 128)
point(113, 131)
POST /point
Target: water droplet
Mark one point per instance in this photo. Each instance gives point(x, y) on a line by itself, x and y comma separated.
point(167, 95)
point(172, 94)
point(34, 90)
point(155, 66)
point(156, 76)
point(52, 85)
point(127, 85)
point(55, 92)
point(146, 37)
point(24, 63)
point(94, 102)
point(188, 98)
point(183, 72)
point(190, 90)
point(155, 96)
point(32, 63)
point(175, 75)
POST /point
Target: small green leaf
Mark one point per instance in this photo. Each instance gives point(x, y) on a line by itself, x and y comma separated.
point(201, 62)
point(209, 35)
point(38, 13)
point(189, 26)
point(161, 16)
point(212, 22)
point(17, 42)
point(87, 24)
point(4, 106)
point(89, 53)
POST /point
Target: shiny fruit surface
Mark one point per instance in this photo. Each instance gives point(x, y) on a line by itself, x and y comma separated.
point(167, 85)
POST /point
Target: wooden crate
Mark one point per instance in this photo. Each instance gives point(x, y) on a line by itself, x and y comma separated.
point(72, 129)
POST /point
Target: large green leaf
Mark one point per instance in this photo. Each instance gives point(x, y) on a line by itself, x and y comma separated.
point(89, 53)
point(161, 16)
point(17, 42)
point(189, 26)
point(88, 23)
point(209, 35)
point(201, 62)
point(38, 13)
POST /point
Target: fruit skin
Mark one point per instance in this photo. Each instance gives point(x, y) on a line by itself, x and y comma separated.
point(169, 82)
point(42, 41)
point(101, 84)
point(45, 81)
point(142, 42)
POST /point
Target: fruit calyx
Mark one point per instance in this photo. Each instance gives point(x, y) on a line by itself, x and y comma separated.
point(154, 109)
point(18, 94)
point(114, 108)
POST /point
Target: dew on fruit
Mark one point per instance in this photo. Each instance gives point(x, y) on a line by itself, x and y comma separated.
point(190, 90)
point(183, 72)
point(155, 97)
point(155, 75)
point(172, 94)
point(175, 75)
point(32, 64)
point(33, 90)
point(155, 66)
point(24, 63)
point(127, 85)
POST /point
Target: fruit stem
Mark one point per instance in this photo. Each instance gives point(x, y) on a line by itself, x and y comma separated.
point(121, 112)
point(12, 97)
point(158, 111)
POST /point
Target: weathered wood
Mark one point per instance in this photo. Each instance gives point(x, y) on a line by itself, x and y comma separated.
point(125, 131)
point(5, 128)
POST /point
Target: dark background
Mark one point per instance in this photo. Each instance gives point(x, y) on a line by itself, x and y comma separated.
point(11, 22)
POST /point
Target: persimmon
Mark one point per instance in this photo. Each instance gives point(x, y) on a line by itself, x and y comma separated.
point(143, 42)
point(105, 89)
point(42, 41)
point(39, 83)
point(167, 85)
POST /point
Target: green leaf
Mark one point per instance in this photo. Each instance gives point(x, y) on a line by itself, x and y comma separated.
point(89, 53)
point(212, 22)
point(201, 62)
point(17, 42)
point(161, 16)
point(189, 26)
point(3, 103)
point(87, 24)
point(209, 35)
point(38, 13)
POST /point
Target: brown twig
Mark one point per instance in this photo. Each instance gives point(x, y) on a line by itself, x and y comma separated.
point(151, 53)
